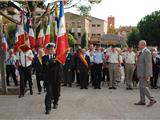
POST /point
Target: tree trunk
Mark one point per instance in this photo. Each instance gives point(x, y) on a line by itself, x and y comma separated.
point(2, 66)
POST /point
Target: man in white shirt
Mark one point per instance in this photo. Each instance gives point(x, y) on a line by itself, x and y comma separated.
point(113, 67)
point(129, 60)
point(24, 60)
point(10, 67)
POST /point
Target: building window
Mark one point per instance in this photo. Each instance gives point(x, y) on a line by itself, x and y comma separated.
point(79, 25)
point(98, 25)
point(93, 35)
point(79, 34)
point(73, 24)
point(93, 25)
point(98, 34)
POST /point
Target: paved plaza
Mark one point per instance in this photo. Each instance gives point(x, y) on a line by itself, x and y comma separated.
point(76, 104)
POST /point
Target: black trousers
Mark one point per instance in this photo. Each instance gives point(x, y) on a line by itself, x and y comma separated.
point(97, 69)
point(105, 73)
point(73, 75)
point(68, 76)
point(25, 75)
point(52, 93)
point(10, 70)
point(84, 79)
point(78, 77)
point(39, 78)
point(154, 78)
point(92, 75)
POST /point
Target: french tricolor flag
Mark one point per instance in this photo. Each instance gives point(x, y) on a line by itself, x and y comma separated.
point(62, 41)
point(4, 43)
point(31, 35)
point(22, 28)
point(47, 36)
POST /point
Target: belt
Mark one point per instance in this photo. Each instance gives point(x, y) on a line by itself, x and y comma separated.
point(130, 63)
point(113, 63)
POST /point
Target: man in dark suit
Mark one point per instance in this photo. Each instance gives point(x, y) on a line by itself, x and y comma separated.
point(155, 68)
point(83, 64)
point(52, 71)
point(144, 72)
point(37, 65)
point(68, 67)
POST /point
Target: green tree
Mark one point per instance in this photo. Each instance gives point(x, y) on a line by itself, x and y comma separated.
point(133, 38)
point(83, 41)
point(84, 10)
point(149, 28)
point(124, 44)
point(71, 39)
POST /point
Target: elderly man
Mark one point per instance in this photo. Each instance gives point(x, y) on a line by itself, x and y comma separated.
point(144, 72)
point(114, 63)
point(129, 60)
point(10, 67)
point(83, 64)
point(98, 57)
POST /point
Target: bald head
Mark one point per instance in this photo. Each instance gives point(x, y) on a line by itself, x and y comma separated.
point(142, 44)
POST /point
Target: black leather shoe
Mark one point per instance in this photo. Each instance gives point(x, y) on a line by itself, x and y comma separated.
point(47, 112)
point(114, 88)
point(55, 106)
point(110, 88)
point(31, 92)
point(140, 103)
point(152, 102)
point(64, 85)
point(20, 96)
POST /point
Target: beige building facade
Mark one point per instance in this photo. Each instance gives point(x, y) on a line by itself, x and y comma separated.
point(93, 27)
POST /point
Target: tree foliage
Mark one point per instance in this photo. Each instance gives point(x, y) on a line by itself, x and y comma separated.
point(83, 41)
point(111, 31)
point(133, 38)
point(149, 28)
point(84, 10)
point(71, 39)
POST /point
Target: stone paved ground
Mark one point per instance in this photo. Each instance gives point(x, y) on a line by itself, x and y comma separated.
point(76, 104)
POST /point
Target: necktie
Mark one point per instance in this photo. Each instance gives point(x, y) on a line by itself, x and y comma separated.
point(51, 57)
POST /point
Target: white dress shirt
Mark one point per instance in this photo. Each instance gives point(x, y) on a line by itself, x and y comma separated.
point(113, 57)
point(23, 59)
point(130, 57)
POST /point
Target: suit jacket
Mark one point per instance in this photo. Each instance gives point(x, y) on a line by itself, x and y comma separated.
point(69, 64)
point(80, 64)
point(51, 69)
point(38, 67)
point(144, 64)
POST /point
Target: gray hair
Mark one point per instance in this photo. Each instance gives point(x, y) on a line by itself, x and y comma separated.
point(143, 42)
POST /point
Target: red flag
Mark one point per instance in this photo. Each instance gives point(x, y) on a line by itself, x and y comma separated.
point(47, 36)
point(31, 35)
point(40, 38)
point(4, 43)
point(21, 34)
point(62, 42)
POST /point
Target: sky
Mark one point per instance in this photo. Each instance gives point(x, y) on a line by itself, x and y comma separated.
point(126, 12)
